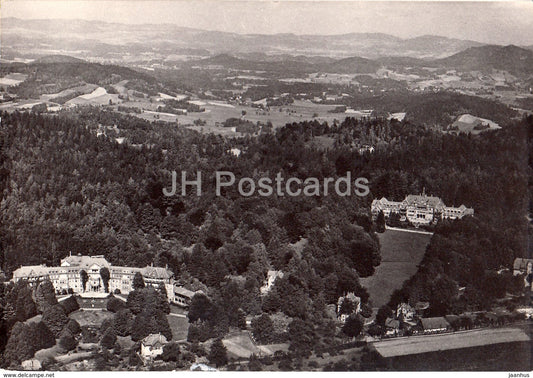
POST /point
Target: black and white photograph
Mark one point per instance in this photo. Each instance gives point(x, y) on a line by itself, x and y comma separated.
point(266, 186)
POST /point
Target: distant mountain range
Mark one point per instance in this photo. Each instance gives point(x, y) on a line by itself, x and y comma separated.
point(108, 40)
point(515, 60)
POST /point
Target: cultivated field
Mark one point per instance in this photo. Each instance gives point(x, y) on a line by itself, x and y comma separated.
point(217, 113)
point(401, 252)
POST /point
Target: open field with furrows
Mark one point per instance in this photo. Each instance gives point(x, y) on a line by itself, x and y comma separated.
point(433, 343)
point(401, 252)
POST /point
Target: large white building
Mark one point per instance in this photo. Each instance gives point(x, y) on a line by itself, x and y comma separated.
point(419, 209)
point(67, 276)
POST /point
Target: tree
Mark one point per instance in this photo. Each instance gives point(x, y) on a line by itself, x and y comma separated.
point(200, 308)
point(122, 322)
point(380, 222)
point(241, 319)
point(104, 273)
point(114, 304)
point(218, 354)
point(171, 352)
point(42, 336)
point(19, 346)
point(55, 319)
point(84, 278)
point(383, 313)
point(353, 326)
point(135, 301)
point(108, 338)
point(67, 340)
point(138, 281)
point(45, 295)
point(347, 307)
point(73, 326)
point(301, 336)
point(70, 305)
point(263, 329)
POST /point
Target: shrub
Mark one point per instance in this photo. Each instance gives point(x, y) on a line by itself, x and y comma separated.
point(67, 340)
point(108, 339)
point(88, 336)
point(218, 354)
point(73, 326)
point(55, 319)
point(70, 305)
point(115, 305)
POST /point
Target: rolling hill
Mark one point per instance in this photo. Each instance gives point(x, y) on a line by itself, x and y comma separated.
point(515, 60)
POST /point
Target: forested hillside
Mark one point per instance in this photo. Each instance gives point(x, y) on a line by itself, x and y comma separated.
point(65, 189)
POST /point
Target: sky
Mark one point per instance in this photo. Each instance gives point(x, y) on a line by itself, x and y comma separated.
point(499, 22)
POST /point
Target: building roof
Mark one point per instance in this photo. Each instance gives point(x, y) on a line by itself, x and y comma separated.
point(180, 290)
point(31, 271)
point(434, 323)
point(421, 306)
point(154, 339)
point(156, 273)
point(392, 323)
point(424, 200)
point(85, 262)
point(521, 264)
point(452, 318)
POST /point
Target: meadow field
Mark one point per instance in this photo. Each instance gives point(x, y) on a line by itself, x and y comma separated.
point(401, 252)
point(512, 356)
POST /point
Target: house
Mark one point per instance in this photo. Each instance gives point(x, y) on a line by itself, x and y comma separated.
point(435, 325)
point(182, 296)
point(152, 346)
point(405, 312)
point(366, 149)
point(419, 209)
point(272, 276)
point(522, 266)
point(201, 367)
point(392, 327)
point(32, 364)
point(356, 301)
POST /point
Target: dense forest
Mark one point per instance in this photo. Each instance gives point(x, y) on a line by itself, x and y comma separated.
point(65, 189)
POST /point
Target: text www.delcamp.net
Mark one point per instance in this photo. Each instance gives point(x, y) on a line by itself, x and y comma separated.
point(28, 375)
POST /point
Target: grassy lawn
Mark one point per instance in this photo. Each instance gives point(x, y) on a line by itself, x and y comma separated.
point(179, 327)
point(401, 252)
point(94, 318)
point(514, 356)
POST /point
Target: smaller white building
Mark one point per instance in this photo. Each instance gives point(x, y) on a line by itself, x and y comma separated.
point(152, 346)
point(272, 275)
